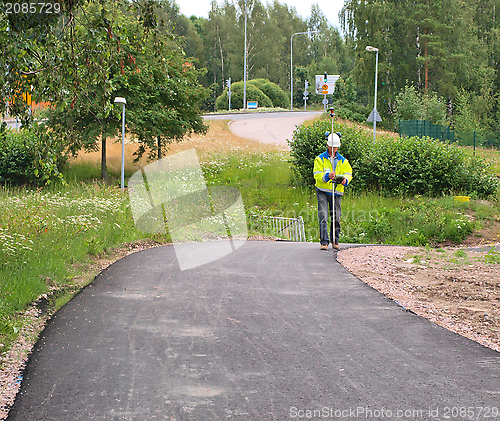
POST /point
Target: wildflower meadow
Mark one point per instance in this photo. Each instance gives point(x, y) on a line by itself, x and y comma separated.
point(48, 236)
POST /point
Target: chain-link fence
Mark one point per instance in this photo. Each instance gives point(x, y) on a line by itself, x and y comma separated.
point(422, 128)
point(476, 138)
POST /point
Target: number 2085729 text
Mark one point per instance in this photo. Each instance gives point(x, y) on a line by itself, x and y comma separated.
point(26, 8)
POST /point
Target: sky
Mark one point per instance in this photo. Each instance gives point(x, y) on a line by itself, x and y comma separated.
point(330, 8)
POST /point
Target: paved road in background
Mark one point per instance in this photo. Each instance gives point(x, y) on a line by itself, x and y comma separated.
point(271, 128)
point(272, 331)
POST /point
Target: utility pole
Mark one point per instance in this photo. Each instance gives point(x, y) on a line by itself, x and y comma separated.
point(309, 34)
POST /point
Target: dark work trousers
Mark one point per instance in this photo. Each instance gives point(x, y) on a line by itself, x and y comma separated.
point(325, 208)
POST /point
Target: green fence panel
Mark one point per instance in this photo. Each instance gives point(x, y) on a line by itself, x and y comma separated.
point(480, 139)
point(422, 128)
point(490, 140)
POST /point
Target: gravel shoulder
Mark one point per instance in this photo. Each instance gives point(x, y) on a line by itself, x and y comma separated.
point(455, 287)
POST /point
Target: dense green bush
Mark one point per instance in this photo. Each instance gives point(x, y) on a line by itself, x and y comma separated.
point(266, 93)
point(408, 166)
point(351, 111)
point(308, 142)
point(253, 94)
point(401, 166)
point(30, 157)
point(277, 96)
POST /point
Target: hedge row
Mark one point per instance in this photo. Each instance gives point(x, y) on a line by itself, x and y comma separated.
point(394, 166)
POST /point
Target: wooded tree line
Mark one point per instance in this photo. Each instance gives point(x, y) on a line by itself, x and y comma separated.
point(444, 48)
point(218, 44)
point(447, 50)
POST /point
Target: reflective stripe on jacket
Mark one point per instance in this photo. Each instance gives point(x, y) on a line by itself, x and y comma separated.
point(323, 168)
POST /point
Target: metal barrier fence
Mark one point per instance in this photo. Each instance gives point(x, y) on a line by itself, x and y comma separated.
point(485, 140)
point(422, 128)
point(291, 229)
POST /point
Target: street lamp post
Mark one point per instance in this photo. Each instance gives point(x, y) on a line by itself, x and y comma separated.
point(245, 64)
point(309, 32)
point(375, 112)
point(123, 101)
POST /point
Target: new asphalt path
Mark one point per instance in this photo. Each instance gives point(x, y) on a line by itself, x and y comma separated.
point(272, 331)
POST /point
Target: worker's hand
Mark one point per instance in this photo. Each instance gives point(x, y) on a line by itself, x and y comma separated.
point(344, 181)
point(332, 175)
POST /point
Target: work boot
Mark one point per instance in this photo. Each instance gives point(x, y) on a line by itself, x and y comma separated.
point(324, 247)
point(336, 246)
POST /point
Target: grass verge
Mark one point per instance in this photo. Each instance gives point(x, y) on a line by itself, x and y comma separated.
point(49, 239)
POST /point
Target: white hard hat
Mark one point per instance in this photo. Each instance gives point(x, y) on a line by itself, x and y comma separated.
point(333, 140)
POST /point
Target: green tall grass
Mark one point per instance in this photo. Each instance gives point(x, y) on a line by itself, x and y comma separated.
point(47, 236)
point(491, 155)
point(265, 182)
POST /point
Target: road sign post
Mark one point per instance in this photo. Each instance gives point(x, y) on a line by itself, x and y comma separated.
point(325, 102)
point(324, 89)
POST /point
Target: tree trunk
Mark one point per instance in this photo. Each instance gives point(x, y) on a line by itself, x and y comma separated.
point(104, 171)
point(159, 147)
point(426, 67)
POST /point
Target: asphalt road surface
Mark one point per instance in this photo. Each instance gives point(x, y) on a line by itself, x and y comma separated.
point(271, 128)
point(272, 331)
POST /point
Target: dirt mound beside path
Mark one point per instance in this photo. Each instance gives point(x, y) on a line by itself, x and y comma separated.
point(457, 288)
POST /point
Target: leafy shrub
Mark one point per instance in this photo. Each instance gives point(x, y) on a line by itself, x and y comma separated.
point(306, 144)
point(401, 166)
point(253, 94)
point(476, 178)
point(411, 105)
point(30, 156)
point(409, 166)
point(277, 96)
point(309, 142)
point(351, 111)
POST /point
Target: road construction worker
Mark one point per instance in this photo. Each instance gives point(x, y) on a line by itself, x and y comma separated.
point(326, 175)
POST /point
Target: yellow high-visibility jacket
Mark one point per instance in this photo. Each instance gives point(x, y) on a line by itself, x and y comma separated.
point(323, 167)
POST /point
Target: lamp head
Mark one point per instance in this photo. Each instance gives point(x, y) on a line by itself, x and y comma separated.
point(371, 49)
point(120, 100)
